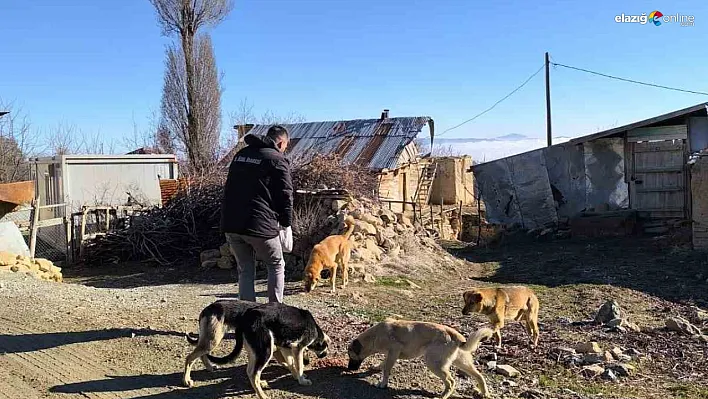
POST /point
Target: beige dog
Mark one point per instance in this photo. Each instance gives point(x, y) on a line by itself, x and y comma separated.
point(440, 345)
point(330, 253)
point(514, 302)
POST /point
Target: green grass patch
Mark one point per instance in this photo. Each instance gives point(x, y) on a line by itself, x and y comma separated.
point(392, 282)
point(685, 391)
point(373, 315)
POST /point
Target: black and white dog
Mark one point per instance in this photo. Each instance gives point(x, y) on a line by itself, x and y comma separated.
point(284, 332)
point(214, 321)
point(270, 330)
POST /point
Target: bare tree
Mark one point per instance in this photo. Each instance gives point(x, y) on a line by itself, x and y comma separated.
point(192, 94)
point(65, 138)
point(244, 115)
point(156, 138)
point(97, 144)
point(200, 145)
point(16, 144)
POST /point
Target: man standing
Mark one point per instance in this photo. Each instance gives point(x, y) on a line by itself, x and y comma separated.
point(258, 202)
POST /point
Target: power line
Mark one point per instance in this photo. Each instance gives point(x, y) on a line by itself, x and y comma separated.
point(496, 103)
point(629, 80)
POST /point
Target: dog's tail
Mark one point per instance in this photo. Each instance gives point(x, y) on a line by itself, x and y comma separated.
point(475, 339)
point(191, 339)
point(349, 222)
point(234, 353)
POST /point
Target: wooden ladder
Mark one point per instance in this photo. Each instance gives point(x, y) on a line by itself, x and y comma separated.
point(425, 182)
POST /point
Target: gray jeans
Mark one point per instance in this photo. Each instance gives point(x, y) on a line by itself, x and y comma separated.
point(246, 249)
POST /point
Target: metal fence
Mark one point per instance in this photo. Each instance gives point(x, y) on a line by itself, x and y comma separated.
point(44, 230)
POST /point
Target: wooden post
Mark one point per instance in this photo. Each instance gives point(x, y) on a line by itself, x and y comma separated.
point(479, 216)
point(414, 214)
point(459, 218)
point(108, 218)
point(82, 234)
point(432, 224)
point(548, 101)
point(68, 226)
point(34, 227)
point(442, 221)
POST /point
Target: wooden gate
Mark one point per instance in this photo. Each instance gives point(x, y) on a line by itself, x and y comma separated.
point(658, 177)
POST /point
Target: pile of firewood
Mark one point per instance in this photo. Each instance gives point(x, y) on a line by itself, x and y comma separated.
point(179, 230)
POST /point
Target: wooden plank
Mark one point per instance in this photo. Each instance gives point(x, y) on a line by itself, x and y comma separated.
point(659, 169)
point(675, 132)
point(50, 222)
point(658, 137)
point(659, 189)
point(661, 209)
point(644, 150)
point(658, 145)
point(34, 226)
point(51, 206)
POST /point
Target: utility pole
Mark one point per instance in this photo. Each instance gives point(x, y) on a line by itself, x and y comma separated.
point(548, 100)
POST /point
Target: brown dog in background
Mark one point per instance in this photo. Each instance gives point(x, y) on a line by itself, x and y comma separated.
point(331, 252)
point(514, 302)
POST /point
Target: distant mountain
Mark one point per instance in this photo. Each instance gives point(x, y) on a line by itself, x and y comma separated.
point(506, 137)
point(513, 137)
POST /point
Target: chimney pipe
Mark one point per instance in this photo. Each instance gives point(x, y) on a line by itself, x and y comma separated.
point(384, 114)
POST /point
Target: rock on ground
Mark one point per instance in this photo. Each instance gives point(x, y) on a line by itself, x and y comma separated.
point(682, 325)
point(592, 371)
point(610, 310)
point(507, 371)
point(588, 347)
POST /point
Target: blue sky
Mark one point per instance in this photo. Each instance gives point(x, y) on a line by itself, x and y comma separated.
point(99, 64)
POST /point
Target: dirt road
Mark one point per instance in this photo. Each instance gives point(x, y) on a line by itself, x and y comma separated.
point(120, 335)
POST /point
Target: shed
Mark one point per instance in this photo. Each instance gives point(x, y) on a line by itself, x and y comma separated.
point(79, 180)
point(641, 166)
point(385, 146)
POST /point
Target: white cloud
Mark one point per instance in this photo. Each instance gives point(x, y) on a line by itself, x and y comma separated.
point(482, 150)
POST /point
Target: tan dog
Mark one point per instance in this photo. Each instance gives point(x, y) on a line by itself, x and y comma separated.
point(514, 302)
point(331, 252)
point(440, 345)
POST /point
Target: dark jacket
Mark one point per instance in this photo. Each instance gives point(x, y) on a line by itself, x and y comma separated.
point(259, 193)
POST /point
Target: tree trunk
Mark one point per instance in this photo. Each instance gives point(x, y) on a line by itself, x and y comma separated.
point(194, 150)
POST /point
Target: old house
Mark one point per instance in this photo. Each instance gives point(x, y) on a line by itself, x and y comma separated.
point(641, 167)
point(386, 146)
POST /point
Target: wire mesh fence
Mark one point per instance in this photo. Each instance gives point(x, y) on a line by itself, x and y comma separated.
point(51, 231)
point(51, 243)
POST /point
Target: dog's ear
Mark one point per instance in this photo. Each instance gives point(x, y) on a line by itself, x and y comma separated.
point(356, 347)
point(469, 296)
point(472, 296)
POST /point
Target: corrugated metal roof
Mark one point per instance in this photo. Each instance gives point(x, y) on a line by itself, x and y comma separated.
point(703, 107)
point(372, 143)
